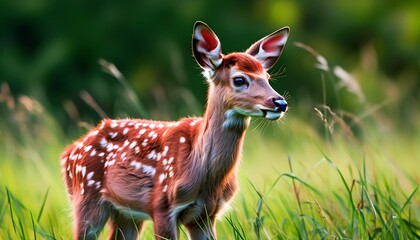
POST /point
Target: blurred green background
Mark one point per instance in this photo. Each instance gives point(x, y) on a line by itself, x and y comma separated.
point(49, 50)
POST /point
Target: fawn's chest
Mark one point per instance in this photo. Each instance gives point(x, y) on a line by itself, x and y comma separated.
point(210, 202)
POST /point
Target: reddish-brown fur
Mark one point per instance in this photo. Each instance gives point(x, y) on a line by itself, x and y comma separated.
point(182, 172)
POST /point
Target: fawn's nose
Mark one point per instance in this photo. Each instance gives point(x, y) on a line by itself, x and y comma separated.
point(280, 104)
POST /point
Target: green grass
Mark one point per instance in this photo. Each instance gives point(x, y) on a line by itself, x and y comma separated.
point(296, 182)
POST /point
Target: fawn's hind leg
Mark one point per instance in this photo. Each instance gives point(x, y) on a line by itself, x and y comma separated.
point(90, 216)
point(122, 227)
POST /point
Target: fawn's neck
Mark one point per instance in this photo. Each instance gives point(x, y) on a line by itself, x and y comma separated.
point(220, 139)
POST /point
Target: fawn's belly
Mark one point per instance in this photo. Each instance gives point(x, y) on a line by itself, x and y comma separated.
point(201, 209)
point(132, 213)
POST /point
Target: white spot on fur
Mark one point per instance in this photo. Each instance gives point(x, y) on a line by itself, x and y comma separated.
point(165, 188)
point(149, 169)
point(83, 171)
point(165, 150)
point(125, 131)
point(137, 150)
point(133, 144)
point(194, 122)
point(93, 153)
point(113, 134)
point(109, 147)
point(162, 177)
point(90, 183)
point(109, 163)
point(79, 145)
point(78, 168)
point(87, 148)
point(142, 131)
point(135, 164)
point(114, 125)
point(152, 126)
point(103, 142)
point(89, 176)
point(101, 154)
point(182, 139)
point(171, 159)
point(152, 155)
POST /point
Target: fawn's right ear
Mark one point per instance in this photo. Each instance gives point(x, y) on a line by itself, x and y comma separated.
point(267, 50)
point(206, 47)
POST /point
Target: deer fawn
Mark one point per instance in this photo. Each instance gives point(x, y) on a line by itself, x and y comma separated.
point(184, 172)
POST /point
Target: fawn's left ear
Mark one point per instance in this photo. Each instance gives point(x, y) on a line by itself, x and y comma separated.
point(267, 50)
point(206, 47)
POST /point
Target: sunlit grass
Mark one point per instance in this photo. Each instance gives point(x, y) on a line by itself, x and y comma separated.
point(296, 182)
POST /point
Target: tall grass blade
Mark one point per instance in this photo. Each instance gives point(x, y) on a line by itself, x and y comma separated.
point(296, 191)
point(9, 202)
point(131, 95)
point(41, 210)
point(33, 226)
point(408, 200)
point(237, 228)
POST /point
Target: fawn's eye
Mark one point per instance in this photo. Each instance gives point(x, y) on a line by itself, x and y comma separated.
point(239, 81)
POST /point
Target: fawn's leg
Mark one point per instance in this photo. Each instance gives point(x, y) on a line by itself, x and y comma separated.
point(90, 216)
point(202, 229)
point(165, 226)
point(123, 227)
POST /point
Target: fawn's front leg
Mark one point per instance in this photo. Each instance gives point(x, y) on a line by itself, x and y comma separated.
point(165, 226)
point(203, 229)
point(123, 228)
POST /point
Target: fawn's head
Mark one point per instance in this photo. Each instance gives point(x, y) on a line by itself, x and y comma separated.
point(240, 79)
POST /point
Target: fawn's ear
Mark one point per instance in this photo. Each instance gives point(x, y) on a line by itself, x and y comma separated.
point(267, 50)
point(206, 47)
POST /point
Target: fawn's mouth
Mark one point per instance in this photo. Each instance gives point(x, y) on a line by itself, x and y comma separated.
point(280, 107)
point(272, 115)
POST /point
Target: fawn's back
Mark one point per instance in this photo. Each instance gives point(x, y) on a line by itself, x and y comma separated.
point(142, 149)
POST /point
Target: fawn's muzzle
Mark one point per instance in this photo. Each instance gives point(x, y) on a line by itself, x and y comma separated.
point(280, 105)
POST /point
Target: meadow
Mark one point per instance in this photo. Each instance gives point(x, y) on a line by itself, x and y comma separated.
point(319, 173)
